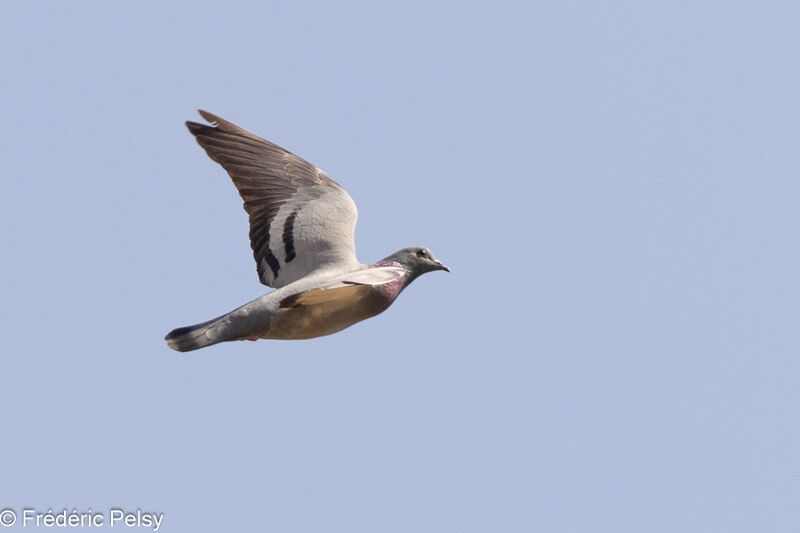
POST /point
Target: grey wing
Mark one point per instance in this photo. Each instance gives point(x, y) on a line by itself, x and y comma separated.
point(300, 219)
point(354, 285)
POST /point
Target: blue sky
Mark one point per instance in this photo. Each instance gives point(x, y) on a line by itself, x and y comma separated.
point(614, 186)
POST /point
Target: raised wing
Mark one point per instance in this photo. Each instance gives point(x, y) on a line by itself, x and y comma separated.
point(300, 219)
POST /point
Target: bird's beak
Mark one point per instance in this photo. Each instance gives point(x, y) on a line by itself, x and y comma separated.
point(442, 266)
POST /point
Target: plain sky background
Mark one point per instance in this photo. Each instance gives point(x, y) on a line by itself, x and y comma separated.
point(615, 186)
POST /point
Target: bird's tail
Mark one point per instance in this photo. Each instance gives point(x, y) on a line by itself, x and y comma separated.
point(194, 337)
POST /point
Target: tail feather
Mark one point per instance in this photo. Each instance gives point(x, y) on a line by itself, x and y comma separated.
point(194, 337)
point(247, 322)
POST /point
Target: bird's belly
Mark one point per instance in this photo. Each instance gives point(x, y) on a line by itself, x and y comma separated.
point(317, 320)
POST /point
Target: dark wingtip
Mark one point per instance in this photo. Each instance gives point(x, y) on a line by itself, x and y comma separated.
point(195, 128)
point(211, 117)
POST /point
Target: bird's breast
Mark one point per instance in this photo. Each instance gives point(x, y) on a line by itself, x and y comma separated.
point(327, 312)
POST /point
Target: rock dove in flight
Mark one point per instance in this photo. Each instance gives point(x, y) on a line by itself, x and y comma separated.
point(302, 226)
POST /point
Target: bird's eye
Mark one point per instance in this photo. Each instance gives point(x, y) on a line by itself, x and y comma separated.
point(422, 253)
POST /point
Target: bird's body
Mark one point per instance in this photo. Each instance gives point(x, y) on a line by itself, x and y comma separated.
point(301, 231)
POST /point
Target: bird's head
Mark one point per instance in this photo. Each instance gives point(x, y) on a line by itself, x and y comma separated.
point(417, 261)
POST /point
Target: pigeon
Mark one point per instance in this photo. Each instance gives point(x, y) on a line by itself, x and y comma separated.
point(302, 226)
